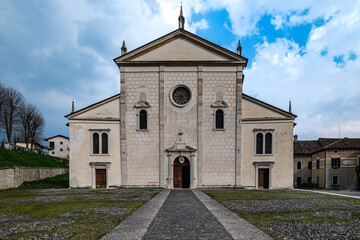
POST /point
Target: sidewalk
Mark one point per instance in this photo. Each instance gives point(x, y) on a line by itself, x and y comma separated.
point(342, 193)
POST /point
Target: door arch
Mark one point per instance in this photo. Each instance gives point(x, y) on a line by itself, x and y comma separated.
point(181, 168)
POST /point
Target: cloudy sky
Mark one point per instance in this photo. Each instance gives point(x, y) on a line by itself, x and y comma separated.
point(308, 51)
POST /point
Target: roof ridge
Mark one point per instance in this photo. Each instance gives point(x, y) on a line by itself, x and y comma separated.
point(334, 143)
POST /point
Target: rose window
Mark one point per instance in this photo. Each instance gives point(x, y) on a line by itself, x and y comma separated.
point(181, 95)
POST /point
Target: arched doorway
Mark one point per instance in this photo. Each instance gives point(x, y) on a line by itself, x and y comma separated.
point(181, 172)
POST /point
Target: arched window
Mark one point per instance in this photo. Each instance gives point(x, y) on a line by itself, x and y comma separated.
point(104, 143)
point(96, 143)
point(309, 165)
point(219, 119)
point(259, 143)
point(268, 143)
point(143, 119)
point(298, 165)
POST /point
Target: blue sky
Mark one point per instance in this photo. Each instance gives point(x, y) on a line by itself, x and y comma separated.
point(307, 51)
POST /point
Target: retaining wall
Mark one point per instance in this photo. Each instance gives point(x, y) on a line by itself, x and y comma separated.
point(13, 177)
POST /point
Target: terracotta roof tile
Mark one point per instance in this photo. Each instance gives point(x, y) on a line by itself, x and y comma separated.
point(306, 147)
point(312, 146)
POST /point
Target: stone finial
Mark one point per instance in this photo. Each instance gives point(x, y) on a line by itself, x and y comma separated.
point(123, 48)
point(239, 48)
point(181, 20)
point(72, 107)
point(290, 106)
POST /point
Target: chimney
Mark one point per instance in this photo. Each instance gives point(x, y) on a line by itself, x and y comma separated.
point(295, 138)
point(123, 48)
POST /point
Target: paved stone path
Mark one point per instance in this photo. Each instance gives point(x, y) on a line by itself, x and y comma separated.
point(184, 216)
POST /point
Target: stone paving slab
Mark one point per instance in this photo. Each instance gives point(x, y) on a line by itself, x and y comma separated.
point(184, 216)
point(236, 226)
point(136, 225)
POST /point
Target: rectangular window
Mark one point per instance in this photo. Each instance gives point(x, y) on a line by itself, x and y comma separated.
point(318, 164)
point(309, 180)
point(52, 152)
point(310, 165)
point(259, 143)
point(100, 143)
point(263, 143)
point(61, 149)
point(335, 180)
point(317, 180)
point(335, 162)
point(61, 143)
point(51, 145)
point(298, 181)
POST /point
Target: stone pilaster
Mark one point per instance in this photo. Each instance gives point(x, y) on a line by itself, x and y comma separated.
point(199, 125)
point(123, 147)
point(170, 172)
point(239, 86)
point(161, 125)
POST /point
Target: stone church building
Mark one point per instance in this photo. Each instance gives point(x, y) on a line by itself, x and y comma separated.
point(181, 120)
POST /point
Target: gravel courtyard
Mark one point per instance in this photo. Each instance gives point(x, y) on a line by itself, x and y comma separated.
point(65, 213)
point(289, 214)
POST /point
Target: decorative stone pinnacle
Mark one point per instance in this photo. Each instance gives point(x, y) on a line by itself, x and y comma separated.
point(181, 20)
point(239, 48)
point(290, 106)
point(123, 48)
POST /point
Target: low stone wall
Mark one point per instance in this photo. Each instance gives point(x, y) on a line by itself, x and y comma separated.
point(13, 177)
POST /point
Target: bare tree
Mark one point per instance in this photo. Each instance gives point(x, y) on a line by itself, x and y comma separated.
point(13, 100)
point(2, 100)
point(37, 126)
point(2, 95)
point(25, 119)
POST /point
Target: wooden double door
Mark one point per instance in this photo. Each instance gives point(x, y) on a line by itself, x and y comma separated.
point(181, 173)
point(263, 178)
point(100, 178)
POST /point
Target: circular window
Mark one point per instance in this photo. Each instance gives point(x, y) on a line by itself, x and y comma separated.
point(180, 96)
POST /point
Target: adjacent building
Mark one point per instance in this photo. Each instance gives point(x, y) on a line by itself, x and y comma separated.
point(58, 146)
point(181, 120)
point(331, 163)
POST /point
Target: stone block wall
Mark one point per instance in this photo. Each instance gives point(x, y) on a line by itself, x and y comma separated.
point(219, 146)
point(142, 146)
point(13, 177)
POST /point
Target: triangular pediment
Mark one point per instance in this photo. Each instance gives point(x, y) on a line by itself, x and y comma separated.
point(107, 109)
point(255, 109)
point(181, 49)
point(179, 46)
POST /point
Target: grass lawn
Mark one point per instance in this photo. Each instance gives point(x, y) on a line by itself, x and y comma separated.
point(290, 214)
point(59, 181)
point(66, 213)
point(11, 158)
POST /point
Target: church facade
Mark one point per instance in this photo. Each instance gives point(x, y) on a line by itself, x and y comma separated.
point(181, 120)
